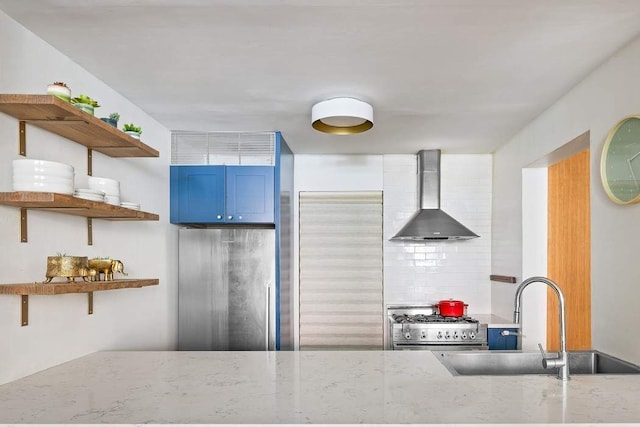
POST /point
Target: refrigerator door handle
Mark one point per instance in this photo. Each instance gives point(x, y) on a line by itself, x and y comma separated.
point(267, 328)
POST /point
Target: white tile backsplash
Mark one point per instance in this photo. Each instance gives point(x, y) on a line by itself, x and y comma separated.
point(426, 272)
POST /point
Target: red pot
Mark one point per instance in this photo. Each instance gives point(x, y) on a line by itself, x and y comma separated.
point(451, 307)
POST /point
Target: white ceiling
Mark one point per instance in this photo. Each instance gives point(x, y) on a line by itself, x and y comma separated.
point(460, 75)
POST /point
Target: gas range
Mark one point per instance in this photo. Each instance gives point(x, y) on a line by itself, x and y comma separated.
point(423, 328)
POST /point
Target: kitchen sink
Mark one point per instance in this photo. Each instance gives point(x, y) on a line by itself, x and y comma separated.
point(591, 362)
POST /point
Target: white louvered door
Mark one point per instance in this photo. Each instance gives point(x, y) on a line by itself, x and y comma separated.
point(341, 304)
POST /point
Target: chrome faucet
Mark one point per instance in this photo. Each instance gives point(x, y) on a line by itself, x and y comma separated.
point(562, 361)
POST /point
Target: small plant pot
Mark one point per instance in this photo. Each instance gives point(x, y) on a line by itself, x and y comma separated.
point(132, 134)
point(110, 121)
point(66, 266)
point(85, 107)
point(60, 91)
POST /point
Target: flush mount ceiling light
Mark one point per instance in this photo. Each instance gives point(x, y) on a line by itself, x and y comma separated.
point(342, 116)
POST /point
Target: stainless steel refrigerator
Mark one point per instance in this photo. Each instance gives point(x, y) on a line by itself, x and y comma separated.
point(226, 292)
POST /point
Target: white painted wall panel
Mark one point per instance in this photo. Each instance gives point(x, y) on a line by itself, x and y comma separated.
point(417, 273)
point(596, 104)
point(59, 327)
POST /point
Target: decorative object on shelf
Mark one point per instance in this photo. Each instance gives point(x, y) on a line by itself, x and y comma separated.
point(85, 103)
point(89, 194)
point(112, 119)
point(110, 188)
point(342, 116)
point(59, 89)
point(620, 162)
point(130, 205)
point(70, 267)
point(42, 175)
point(132, 130)
point(106, 267)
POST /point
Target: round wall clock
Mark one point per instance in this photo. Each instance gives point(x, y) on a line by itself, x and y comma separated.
point(620, 163)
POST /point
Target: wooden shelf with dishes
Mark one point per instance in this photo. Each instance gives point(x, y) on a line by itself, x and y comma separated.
point(62, 118)
point(59, 288)
point(70, 205)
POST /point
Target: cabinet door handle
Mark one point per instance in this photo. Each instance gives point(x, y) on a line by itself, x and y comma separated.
point(219, 217)
point(230, 217)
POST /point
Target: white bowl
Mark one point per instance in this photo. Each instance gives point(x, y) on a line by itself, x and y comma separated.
point(96, 182)
point(43, 187)
point(42, 178)
point(90, 197)
point(42, 167)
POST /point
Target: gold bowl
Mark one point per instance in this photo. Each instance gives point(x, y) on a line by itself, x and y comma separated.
point(100, 264)
point(66, 266)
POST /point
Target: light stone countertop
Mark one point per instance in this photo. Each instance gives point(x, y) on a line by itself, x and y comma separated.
point(344, 387)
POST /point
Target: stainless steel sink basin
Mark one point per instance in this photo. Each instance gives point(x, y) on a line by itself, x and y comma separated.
point(590, 362)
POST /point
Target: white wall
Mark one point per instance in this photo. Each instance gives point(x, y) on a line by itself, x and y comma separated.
point(596, 104)
point(426, 272)
point(59, 328)
point(417, 272)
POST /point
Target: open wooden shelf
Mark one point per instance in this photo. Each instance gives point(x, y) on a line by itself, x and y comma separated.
point(70, 205)
point(62, 118)
point(58, 288)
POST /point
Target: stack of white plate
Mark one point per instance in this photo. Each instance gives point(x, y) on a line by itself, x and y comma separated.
point(110, 188)
point(130, 205)
point(42, 175)
point(89, 194)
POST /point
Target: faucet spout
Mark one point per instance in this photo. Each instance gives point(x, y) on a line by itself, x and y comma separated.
point(562, 361)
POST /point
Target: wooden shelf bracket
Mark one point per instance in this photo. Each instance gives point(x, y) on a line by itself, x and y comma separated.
point(22, 131)
point(90, 302)
point(89, 232)
point(23, 225)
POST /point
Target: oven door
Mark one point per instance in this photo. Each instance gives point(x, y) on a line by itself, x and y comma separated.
point(440, 347)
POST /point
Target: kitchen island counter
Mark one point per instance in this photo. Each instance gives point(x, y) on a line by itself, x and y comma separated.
point(372, 387)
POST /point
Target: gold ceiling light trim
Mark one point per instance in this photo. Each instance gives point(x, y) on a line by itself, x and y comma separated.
point(342, 116)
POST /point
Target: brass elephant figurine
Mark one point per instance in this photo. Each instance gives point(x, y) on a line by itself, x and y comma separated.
point(106, 267)
point(89, 274)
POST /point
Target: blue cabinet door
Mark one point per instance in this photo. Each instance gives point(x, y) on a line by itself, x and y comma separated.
point(197, 194)
point(249, 194)
point(499, 342)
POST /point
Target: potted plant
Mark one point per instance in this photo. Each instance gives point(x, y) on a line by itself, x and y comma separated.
point(112, 119)
point(59, 89)
point(85, 103)
point(132, 130)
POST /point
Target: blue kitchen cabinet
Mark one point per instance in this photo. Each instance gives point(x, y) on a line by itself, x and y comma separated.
point(499, 342)
point(207, 194)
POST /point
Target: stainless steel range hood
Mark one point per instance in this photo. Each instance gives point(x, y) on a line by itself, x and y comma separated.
point(430, 222)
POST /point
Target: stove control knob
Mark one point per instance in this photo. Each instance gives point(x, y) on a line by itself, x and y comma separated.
point(447, 335)
point(439, 336)
point(423, 335)
point(464, 335)
point(455, 335)
point(472, 335)
point(407, 335)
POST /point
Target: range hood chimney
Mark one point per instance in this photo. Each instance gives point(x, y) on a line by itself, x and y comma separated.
point(430, 222)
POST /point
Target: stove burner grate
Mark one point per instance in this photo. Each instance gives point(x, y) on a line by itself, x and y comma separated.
point(431, 318)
